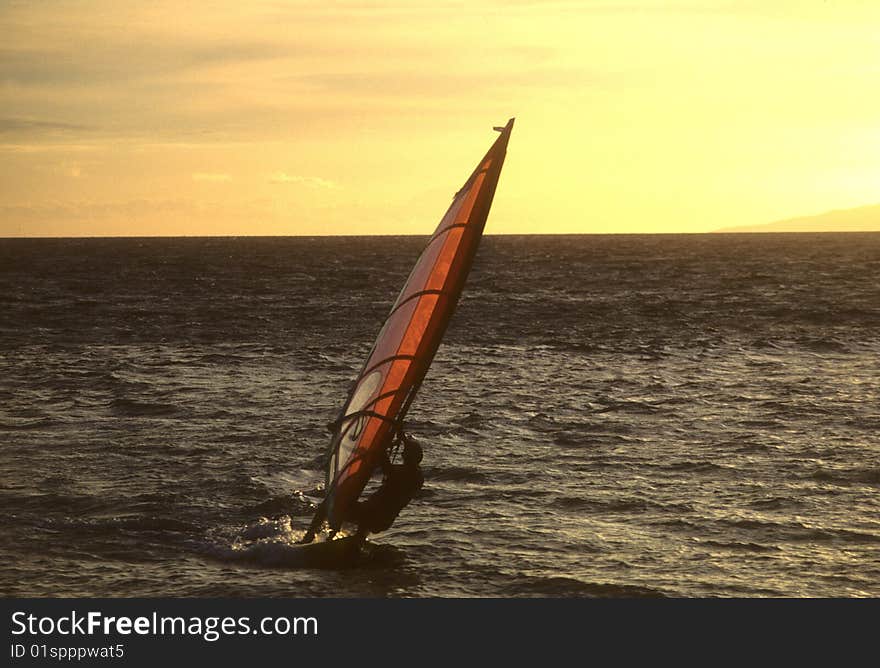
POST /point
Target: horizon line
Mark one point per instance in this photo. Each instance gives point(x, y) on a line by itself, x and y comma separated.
point(493, 234)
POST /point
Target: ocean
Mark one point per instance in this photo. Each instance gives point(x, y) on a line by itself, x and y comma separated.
point(608, 416)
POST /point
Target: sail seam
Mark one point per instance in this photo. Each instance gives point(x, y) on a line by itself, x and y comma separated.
point(373, 402)
point(445, 229)
point(414, 295)
point(390, 358)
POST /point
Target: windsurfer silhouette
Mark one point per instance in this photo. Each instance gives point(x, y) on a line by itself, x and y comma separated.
point(400, 483)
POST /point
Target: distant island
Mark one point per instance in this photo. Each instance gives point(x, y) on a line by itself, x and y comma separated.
point(861, 219)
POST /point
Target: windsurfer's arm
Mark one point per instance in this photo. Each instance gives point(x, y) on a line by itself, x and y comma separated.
point(385, 464)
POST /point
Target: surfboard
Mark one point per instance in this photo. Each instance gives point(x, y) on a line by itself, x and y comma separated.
point(342, 552)
point(383, 391)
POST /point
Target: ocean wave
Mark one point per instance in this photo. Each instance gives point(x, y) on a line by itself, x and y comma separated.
point(577, 503)
point(633, 407)
point(561, 587)
point(695, 466)
point(132, 408)
point(457, 474)
point(25, 424)
point(620, 505)
point(741, 546)
point(221, 358)
point(774, 503)
point(132, 523)
point(285, 504)
point(830, 345)
point(870, 476)
point(273, 544)
point(472, 420)
point(39, 505)
point(797, 531)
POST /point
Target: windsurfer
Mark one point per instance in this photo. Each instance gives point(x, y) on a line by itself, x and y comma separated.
point(400, 483)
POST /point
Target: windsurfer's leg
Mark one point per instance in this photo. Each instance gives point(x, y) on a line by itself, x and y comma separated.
point(361, 536)
point(317, 521)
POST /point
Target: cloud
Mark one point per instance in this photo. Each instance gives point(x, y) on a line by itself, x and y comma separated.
point(213, 177)
point(48, 148)
point(30, 126)
point(78, 210)
point(424, 88)
point(114, 59)
point(74, 170)
point(89, 216)
point(271, 70)
point(310, 181)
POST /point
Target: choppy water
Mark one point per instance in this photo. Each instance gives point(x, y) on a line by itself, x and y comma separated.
point(609, 416)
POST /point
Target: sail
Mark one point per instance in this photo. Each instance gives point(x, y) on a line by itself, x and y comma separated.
point(382, 392)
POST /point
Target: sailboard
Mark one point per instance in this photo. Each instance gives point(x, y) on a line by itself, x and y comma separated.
point(383, 391)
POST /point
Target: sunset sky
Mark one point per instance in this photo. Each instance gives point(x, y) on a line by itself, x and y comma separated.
point(277, 117)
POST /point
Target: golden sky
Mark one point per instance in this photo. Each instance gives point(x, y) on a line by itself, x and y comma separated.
point(357, 117)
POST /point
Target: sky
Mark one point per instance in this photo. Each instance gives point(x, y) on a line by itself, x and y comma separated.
point(285, 118)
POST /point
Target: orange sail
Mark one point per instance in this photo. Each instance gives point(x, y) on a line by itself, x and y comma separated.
point(402, 353)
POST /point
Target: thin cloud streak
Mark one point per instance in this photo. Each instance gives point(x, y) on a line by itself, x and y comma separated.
point(30, 126)
point(310, 181)
point(49, 148)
